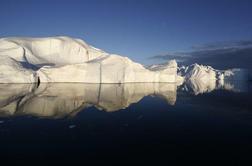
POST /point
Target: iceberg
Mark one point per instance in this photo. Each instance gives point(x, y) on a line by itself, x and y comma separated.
point(198, 72)
point(200, 79)
point(207, 73)
point(65, 59)
point(234, 74)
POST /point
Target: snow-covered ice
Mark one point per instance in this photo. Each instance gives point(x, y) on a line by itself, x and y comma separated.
point(206, 73)
point(107, 69)
point(202, 79)
point(64, 59)
point(12, 71)
point(53, 51)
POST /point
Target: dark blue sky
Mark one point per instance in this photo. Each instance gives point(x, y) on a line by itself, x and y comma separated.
point(136, 28)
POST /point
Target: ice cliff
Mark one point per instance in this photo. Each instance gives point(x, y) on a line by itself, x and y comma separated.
point(64, 59)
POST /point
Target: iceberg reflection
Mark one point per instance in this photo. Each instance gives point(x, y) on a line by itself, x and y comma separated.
point(196, 86)
point(58, 100)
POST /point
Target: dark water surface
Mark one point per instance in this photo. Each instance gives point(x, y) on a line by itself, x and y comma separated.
point(133, 121)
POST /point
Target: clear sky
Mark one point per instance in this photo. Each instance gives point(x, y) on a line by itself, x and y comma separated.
point(138, 29)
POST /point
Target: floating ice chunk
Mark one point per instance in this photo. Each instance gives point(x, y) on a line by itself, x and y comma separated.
point(71, 126)
point(236, 74)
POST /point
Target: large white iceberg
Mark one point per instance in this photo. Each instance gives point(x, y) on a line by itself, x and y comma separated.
point(64, 59)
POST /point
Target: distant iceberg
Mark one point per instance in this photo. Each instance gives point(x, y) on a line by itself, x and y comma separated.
point(202, 79)
point(206, 73)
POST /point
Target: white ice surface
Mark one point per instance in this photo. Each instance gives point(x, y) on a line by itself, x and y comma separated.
point(108, 69)
point(196, 71)
point(64, 59)
point(201, 79)
point(12, 71)
point(52, 51)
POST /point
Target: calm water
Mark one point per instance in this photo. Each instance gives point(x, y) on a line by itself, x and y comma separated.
point(125, 121)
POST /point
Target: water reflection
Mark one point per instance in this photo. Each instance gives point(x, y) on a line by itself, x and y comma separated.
point(59, 100)
point(199, 86)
